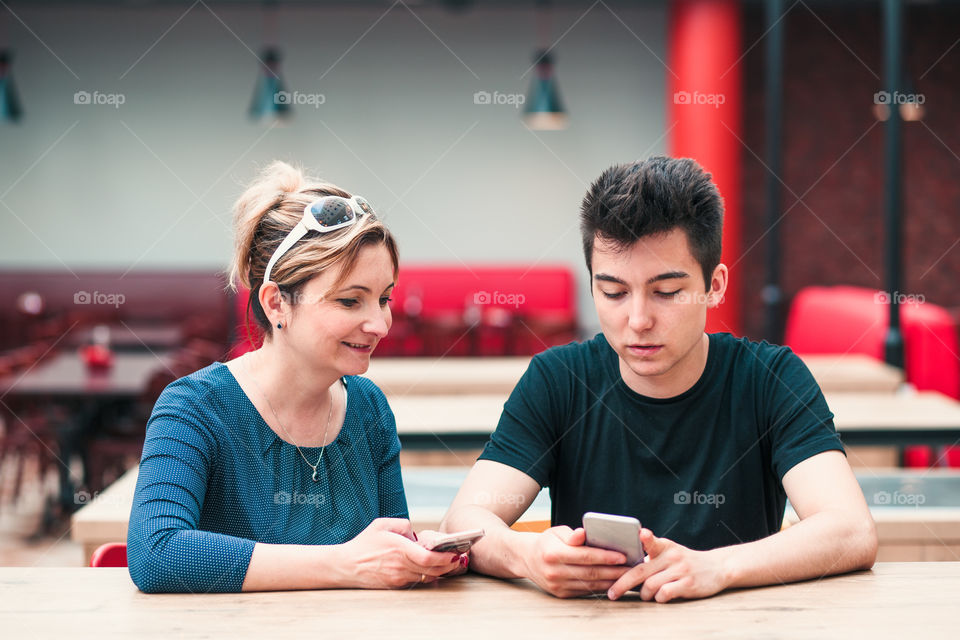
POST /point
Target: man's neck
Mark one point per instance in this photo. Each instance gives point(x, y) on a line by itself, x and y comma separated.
point(679, 378)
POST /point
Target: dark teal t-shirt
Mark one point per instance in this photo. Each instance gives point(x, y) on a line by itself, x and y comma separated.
point(703, 468)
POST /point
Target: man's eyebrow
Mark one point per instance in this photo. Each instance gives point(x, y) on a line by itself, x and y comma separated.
point(603, 277)
point(670, 275)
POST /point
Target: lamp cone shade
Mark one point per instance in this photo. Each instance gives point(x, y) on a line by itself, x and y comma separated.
point(271, 100)
point(10, 109)
point(543, 108)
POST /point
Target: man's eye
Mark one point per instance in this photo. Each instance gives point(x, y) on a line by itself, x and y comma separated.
point(615, 296)
point(348, 302)
point(668, 294)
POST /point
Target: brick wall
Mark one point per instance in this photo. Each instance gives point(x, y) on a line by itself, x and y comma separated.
point(834, 154)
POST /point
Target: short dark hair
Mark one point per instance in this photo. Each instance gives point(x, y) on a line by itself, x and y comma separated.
point(650, 197)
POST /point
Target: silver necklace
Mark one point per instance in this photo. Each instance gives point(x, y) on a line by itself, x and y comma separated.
point(314, 467)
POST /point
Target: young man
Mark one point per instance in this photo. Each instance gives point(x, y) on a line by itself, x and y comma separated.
point(701, 437)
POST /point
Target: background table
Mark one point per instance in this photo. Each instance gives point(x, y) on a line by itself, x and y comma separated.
point(66, 377)
point(84, 396)
point(892, 600)
point(466, 421)
point(132, 336)
point(853, 372)
point(924, 417)
point(430, 376)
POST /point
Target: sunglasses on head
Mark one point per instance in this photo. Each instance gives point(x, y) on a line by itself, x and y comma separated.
point(323, 215)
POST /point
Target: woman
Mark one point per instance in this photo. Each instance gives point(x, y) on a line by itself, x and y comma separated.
point(279, 469)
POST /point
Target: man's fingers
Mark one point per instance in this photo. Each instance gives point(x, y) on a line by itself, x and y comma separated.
point(654, 582)
point(672, 590)
point(574, 551)
point(592, 586)
point(628, 581)
point(594, 556)
point(565, 534)
point(652, 545)
point(597, 572)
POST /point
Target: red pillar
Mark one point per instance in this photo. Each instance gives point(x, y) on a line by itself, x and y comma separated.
point(703, 107)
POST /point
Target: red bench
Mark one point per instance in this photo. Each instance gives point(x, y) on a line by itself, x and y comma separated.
point(473, 310)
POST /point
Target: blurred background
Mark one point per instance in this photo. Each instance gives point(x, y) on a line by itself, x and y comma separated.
point(129, 127)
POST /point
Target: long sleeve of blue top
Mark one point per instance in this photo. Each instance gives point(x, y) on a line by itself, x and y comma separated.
point(215, 479)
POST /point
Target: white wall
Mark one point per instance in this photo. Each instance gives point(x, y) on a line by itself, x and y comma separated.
point(149, 184)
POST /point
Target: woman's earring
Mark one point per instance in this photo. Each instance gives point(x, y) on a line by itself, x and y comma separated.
point(279, 326)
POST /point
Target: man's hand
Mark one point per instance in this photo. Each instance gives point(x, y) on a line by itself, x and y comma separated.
point(559, 563)
point(671, 570)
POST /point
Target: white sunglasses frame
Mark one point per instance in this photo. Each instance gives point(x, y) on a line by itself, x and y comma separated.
point(309, 223)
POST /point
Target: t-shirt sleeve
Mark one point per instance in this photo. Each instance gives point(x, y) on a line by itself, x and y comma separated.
point(527, 434)
point(798, 422)
point(166, 552)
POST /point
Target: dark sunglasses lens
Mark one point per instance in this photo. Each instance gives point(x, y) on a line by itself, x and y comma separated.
point(364, 205)
point(332, 212)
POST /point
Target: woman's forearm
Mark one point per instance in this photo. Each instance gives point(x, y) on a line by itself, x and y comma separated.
point(286, 567)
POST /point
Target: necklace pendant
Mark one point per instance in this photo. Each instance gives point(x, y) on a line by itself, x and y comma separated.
point(315, 476)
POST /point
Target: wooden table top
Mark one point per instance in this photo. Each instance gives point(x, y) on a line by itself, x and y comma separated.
point(66, 375)
point(892, 600)
point(428, 376)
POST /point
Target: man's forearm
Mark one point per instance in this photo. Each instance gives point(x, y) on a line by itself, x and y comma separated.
point(824, 544)
point(500, 552)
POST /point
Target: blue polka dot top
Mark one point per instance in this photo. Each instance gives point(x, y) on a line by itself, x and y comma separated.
point(215, 479)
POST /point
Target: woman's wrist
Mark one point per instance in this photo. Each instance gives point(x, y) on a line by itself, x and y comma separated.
point(328, 567)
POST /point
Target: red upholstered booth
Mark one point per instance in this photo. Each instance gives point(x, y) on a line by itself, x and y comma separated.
point(854, 320)
point(471, 310)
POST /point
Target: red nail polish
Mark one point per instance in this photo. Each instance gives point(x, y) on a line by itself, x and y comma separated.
point(414, 536)
point(464, 561)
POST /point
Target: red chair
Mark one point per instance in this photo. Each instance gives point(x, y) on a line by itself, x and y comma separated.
point(111, 554)
point(854, 320)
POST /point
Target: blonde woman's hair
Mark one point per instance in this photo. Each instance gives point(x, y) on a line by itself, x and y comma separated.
point(263, 216)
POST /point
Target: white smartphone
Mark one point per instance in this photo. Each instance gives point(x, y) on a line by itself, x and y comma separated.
point(459, 542)
point(617, 533)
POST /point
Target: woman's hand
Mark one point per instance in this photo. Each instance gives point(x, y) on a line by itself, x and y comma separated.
point(385, 556)
point(427, 536)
